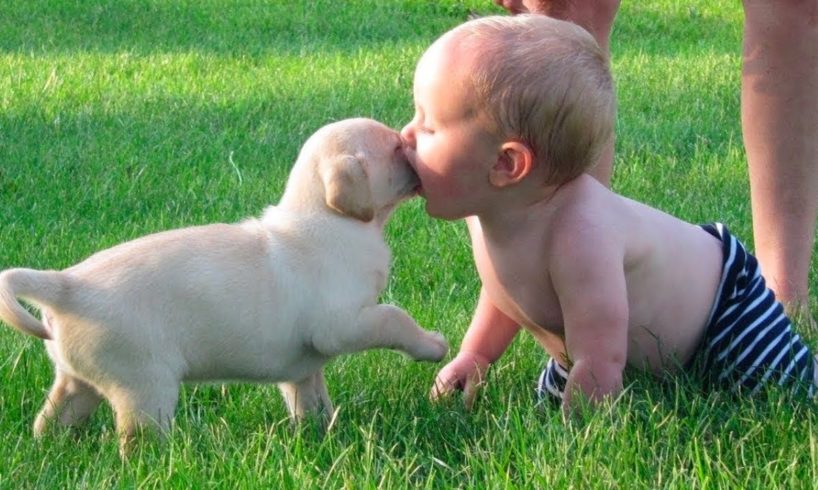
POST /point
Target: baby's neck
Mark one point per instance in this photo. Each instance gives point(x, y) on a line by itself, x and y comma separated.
point(516, 211)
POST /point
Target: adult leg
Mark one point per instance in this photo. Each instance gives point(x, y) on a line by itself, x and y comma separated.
point(596, 17)
point(779, 114)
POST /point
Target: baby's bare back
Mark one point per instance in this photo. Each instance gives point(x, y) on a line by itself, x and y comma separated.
point(671, 268)
point(672, 272)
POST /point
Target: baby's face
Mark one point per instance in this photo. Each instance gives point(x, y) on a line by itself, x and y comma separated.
point(449, 142)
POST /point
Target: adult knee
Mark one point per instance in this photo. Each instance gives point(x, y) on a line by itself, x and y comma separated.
point(595, 16)
point(781, 14)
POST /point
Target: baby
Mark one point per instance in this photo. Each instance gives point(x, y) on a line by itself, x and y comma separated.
point(510, 114)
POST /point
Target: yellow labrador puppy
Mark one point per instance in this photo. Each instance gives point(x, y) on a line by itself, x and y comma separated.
point(270, 299)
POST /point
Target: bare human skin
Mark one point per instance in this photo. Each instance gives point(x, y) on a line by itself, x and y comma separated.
point(595, 16)
point(605, 281)
point(779, 115)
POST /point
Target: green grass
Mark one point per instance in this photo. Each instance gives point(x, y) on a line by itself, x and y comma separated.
point(122, 117)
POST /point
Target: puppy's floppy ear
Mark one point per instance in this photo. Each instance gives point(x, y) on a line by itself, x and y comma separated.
point(346, 186)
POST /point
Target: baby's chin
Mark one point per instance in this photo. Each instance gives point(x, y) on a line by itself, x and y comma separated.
point(444, 214)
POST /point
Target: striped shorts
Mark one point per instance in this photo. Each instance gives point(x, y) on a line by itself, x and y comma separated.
point(749, 342)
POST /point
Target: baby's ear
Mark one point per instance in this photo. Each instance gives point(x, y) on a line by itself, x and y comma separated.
point(514, 162)
point(346, 186)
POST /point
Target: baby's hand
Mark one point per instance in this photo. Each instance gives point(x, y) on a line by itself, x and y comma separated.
point(465, 372)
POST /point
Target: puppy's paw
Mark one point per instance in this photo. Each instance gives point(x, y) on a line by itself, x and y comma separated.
point(432, 347)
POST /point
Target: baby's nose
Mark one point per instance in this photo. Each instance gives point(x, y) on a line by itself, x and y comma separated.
point(407, 135)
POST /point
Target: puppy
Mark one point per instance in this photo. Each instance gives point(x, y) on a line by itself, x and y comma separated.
point(267, 300)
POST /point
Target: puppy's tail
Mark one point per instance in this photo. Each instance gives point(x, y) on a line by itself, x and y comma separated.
point(41, 287)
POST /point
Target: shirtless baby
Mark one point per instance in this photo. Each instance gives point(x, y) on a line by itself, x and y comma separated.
point(510, 114)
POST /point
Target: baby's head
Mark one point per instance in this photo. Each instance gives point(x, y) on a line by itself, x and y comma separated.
point(496, 91)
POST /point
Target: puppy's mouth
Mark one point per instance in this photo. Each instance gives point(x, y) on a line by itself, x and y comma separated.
point(417, 187)
point(412, 187)
point(414, 179)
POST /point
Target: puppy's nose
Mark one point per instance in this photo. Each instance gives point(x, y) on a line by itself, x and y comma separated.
point(407, 136)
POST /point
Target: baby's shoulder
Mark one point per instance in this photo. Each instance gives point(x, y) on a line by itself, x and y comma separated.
point(589, 223)
point(578, 234)
point(584, 211)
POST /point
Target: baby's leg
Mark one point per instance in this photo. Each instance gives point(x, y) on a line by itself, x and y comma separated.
point(69, 404)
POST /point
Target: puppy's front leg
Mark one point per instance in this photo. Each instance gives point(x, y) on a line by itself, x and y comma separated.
point(387, 326)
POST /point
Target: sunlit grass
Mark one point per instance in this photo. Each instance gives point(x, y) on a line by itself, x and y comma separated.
point(121, 118)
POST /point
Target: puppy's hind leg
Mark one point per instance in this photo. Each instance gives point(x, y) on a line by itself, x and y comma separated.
point(308, 397)
point(141, 409)
point(69, 404)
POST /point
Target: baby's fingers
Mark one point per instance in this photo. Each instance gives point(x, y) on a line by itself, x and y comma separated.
point(442, 387)
point(474, 383)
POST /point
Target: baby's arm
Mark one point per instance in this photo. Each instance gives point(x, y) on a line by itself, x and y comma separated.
point(589, 279)
point(488, 336)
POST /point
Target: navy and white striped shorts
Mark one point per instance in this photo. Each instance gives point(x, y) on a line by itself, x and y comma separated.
point(749, 342)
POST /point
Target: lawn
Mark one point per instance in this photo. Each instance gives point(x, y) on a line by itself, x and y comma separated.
point(122, 117)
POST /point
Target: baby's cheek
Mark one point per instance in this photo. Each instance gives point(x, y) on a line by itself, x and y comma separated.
point(439, 182)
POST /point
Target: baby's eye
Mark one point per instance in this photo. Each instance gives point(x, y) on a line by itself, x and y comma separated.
point(425, 130)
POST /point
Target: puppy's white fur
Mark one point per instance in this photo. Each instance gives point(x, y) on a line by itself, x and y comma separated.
point(271, 299)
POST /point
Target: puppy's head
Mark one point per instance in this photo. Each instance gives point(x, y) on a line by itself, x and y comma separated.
point(361, 167)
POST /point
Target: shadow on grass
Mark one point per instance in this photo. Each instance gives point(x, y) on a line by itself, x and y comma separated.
point(257, 28)
point(246, 27)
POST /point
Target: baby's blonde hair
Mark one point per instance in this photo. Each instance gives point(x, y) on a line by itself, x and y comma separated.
point(547, 83)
